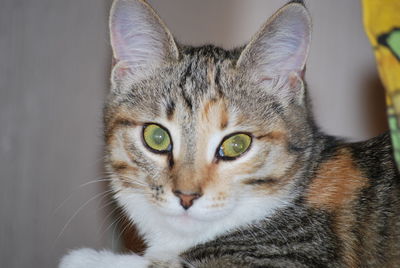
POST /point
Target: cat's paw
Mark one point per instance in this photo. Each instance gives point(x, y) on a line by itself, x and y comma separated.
point(84, 257)
point(90, 258)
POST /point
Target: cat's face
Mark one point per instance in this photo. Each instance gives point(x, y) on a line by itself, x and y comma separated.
point(200, 135)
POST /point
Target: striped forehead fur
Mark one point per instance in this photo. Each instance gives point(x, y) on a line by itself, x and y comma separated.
point(188, 82)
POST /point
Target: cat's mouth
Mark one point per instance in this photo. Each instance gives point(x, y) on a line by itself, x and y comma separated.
point(197, 214)
point(185, 217)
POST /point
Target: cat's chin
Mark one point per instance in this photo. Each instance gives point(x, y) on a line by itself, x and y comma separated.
point(172, 216)
point(192, 221)
point(184, 223)
point(200, 215)
point(190, 225)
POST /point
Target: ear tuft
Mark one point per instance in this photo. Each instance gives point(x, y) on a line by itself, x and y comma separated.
point(139, 39)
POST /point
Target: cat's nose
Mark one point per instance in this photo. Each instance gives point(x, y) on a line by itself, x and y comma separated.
point(186, 198)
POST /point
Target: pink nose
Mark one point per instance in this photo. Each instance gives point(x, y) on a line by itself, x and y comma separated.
point(187, 199)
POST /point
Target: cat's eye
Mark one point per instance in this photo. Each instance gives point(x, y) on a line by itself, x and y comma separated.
point(157, 138)
point(234, 146)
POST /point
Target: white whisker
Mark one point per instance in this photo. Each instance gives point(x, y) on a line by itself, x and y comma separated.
point(78, 210)
point(101, 179)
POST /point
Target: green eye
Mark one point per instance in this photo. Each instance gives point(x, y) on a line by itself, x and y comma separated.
point(157, 138)
point(234, 146)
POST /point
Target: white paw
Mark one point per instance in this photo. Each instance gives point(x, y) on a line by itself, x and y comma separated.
point(89, 258)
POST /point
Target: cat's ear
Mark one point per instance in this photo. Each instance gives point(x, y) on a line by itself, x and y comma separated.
point(280, 47)
point(139, 39)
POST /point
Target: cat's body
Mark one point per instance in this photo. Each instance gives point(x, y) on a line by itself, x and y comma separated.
point(285, 196)
point(347, 216)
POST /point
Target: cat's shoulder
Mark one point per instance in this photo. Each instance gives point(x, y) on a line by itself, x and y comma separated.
point(346, 170)
point(374, 157)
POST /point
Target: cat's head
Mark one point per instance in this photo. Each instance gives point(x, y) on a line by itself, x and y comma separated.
point(199, 135)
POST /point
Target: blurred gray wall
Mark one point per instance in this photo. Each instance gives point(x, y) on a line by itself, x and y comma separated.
point(54, 64)
point(54, 59)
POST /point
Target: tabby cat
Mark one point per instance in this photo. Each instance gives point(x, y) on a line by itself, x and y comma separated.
point(216, 158)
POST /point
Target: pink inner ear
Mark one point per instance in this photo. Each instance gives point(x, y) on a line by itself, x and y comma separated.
point(303, 72)
point(139, 39)
point(118, 47)
point(294, 80)
point(121, 71)
point(281, 46)
point(117, 22)
point(136, 34)
point(291, 48)
point(113, 62)
point(265, 78)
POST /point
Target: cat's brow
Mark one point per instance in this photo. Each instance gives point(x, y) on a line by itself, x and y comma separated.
point(119, 122)
point(273, 135)
point(124, 122)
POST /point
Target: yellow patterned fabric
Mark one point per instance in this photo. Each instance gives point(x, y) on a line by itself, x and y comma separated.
point(382, 24)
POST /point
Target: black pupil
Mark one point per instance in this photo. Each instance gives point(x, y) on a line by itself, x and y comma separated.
point(158, 136)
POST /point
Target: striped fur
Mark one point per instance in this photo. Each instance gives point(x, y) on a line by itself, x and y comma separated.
point(297, 198)
point(361, 231)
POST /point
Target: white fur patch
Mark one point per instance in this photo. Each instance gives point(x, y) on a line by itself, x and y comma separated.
point(170, 232)
point(90, 258)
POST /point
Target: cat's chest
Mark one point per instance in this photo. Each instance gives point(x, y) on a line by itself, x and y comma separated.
point(164, 242)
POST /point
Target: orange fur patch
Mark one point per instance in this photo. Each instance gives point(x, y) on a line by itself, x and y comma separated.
point(335, 188)
point(208, 108)
point(273, 136)
point(209, 176)
point(336, 183)
point(224, 117)
point(119, 166)
point(215, 112)
point(122, 167)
